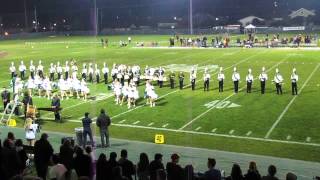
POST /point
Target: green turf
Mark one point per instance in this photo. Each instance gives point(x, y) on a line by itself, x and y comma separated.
point(181, 114)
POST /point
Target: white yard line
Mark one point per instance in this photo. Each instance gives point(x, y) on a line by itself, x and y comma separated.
point(165, 125)
point(208, 110)
point(290, 103)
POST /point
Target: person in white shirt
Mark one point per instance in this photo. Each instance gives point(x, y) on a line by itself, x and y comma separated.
point(52, 70)
point(76, 86)
point(32, 69)
point(129, 40)
point(66, 70)
point(278, 79)
point(57, 171)
point(105, 71)
point(117, 88)
point(133, 95)
point(90, 71)
point(152, 96)
point(193, 76)
point(22, 69)
point(84, 71)
point(263, 77)
point(38, 83)
point(40, 69)
point(74, 69)
point(62, 84)
point(294, 80)
point(249, 79)
point(221, 79)
point(125, 93)
point(84, 89)
point(114, 72)
point(59, 70)
point(30, 85)
point(97, 73)
point(12, 69)
point(206, 80)
point(47, 87)
point(31, 131)
point(235, 79)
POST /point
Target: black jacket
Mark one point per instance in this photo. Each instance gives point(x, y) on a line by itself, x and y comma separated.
point(42, 152)
point(103, 121)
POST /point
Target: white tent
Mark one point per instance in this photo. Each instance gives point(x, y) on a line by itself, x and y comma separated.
point(249, 20)
point(250, 26)
point(302, 12)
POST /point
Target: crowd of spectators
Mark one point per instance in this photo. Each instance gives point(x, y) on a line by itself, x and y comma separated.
point(75, 162)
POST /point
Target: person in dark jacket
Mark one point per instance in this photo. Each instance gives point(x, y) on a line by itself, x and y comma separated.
point(42, 154)
point(212, 173)
point(174, 170)
point(21, 153)
point(112, 163)
point(10, 161)
point(5, 95)
point(127, 166)
point(66, 156)
point(236, 173)
point(155, 165)
point(101, 167)
point(82, 163)
point(143, 167)
point(253, 173)
point(103, 122)
point(272, 170)
point(27, 100)
point(86, 123)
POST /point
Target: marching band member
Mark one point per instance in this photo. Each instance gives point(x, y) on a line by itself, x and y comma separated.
point(22, 69)
point(66, 70)
point(278, 79)
point(90, 71)
point(38, 83)
point(52, 70)
point(30, 85)
point(127, 76)
point(84, 89)
point(84, 71)
point(69, 83)
point(263, 77)
point(105, 71)
point(62, 84)
point(133, 95)
point(294, 80)
point(32, 69)
point(147, 73)
point(249, 79)
point(181, 78)
point(136, 75)
point(12, 70)
point(172, 79)
point(235, 79)
point(152, 96)
point(74, 69)
point(161, 76)
point(114, 72)
point(18, 86)
point(117, 91)
point(206, 79)
point(76, 86)
point(47, 87)
point(97, 73)
point(59, 70)
point(193, 76)
point(40, 69)
point(220, 79)
point(125, 93)
point(120, 77)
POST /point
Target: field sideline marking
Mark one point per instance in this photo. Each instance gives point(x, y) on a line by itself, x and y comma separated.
point(228, 97)
point(246, 59)
point(290, 103)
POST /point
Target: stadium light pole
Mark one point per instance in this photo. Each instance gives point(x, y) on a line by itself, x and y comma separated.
point(190, 16)
point(25, 14)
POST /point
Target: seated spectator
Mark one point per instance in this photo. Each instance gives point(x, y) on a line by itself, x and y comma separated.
point(212, 173)
point(112, 164)
point(117, 171)
point(143, 167)
point(253, 173)
point(57, 171)
point(291, 176)
point(82, 163)
point(102, 167)
point(272, 170)
point(174, 170)
point(42, 154)
point(22, 154)
point(236, 173)
point(127, 166)
point(155, 165)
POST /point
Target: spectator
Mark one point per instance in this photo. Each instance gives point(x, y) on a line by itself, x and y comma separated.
point(31, 130)
point(42, 154)
point(127, 166)
point(82, 163)
point(5, 95)
point(22, 154)
point(272, 170)
point(212, 173)
point(117, 171)
point(11, 138)
point(143, 167)
point(86, 122)
point(66, 156)
point(90, 153)
point(253, 173)
point(189, 173)
point(291, 176)
point(155, 165)
point(161, 174)
point(10, 160)
point(174, 170)
point(103, 122)
point(112, 164)
point(102, 168)
point(57, 171)
point(236, 173)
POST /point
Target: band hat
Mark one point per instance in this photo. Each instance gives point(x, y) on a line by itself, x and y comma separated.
point(234, 69)
point(263, 69)
point(249, 70)
point(277, 70)
point(294, 70)
point(221, 69)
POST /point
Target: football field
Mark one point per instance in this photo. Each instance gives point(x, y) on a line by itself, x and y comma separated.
point(269, 124)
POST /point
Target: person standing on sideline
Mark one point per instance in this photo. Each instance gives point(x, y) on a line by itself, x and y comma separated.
point(294, 80)
point(235, 79)
point(86, 123)
point(103, 122)
point(181, 78)
point(249, 79)
point(263, 77)
point(278, 79)
point(5, 95)
point(220, 79)
point(55, 104)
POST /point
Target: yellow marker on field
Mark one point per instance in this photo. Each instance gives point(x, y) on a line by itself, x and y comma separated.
point(159, 139)
point(12, 123)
